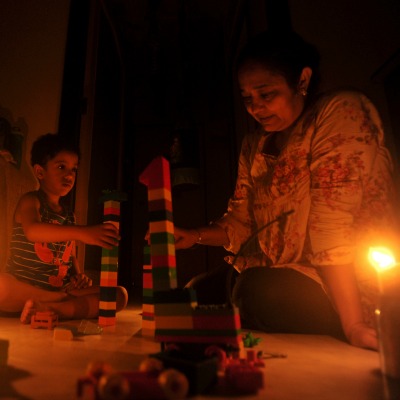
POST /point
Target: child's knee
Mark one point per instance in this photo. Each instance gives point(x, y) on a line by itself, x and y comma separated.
point(122, 298)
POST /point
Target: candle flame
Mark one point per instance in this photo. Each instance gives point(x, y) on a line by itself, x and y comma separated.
point(381, 258)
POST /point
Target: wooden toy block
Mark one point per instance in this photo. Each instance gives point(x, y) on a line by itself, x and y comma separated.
point(194, 337)
point(44, 319)
point(109, 275)
point(216, 321)
point(157, 174)
point(166, 260)
point(163, 249)
point(107, 305)
point(108, 294)
point(177, 321)
point(156, 194)
point(148, 316)
point(160, 215)
point(147, 280)
point(160, 204)
point(61, 333)
point(244, 378)
point(108, 282)
point(112, 207)
point(161, 274)
point(110, 263)
point(161, 226)
point(148, 296)
point(157, 238)
point(148, 308)
point(174, 309)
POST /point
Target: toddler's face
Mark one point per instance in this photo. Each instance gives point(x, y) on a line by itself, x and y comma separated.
point(59, 174)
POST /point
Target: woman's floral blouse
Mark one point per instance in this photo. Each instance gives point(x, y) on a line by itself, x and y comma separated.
point(335, 175)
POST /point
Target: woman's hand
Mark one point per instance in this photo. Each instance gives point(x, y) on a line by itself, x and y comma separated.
point(185, 238)
point(362, 335)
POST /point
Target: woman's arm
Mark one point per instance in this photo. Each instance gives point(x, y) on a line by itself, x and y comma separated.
point(343, 291)
point(212, 235)
point(345, 152)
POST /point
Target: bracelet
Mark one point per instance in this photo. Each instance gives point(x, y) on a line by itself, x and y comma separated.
point(199, 238)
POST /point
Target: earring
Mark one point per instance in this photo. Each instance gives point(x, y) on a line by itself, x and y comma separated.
point(303, 91)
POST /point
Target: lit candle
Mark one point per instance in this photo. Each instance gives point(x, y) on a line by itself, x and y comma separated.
point(388, 310)
point(384, 262)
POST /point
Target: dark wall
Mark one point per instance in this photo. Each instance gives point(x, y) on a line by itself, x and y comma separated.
point(163, 87)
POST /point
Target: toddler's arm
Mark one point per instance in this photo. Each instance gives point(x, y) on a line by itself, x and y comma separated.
point(27, 214)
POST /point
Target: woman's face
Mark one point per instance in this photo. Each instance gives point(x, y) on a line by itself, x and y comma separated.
point(268, 98)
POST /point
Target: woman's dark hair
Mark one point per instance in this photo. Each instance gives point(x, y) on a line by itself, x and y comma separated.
point(48, 146)
point(284, 53)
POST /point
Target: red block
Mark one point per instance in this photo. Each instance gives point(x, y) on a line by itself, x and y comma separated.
point(163, 261)
point(244, 378)
point(156, 175)
point(216, 322)
point(112, 211)
point(147, 280)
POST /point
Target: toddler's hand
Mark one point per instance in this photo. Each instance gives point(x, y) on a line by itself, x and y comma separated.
point(80, 281)
point(104, 235)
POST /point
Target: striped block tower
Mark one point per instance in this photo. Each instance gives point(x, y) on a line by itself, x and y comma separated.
point(159, 266)
point(161, 228)
point(109, 262)
point(171, 313)
point(148, 322)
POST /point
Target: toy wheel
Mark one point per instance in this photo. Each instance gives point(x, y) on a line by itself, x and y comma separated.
point(174, 384)
point(151, 365)
point(218, 352)
point(113, 387)
point(96, 369)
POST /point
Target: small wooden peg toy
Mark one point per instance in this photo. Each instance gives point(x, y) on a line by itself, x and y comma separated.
point(44, 319)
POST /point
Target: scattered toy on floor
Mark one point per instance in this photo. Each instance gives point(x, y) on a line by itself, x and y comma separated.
point(44, 319)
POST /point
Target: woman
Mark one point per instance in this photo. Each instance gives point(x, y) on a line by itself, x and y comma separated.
point(319, 166)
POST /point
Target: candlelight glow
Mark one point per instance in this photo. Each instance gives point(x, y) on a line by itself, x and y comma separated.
point(381, 258)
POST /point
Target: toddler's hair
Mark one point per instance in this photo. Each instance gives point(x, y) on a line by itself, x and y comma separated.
point(47, 146)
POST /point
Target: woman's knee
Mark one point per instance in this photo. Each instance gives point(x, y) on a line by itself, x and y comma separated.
point(122, 298)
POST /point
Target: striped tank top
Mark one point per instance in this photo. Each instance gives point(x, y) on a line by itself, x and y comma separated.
point(46, 265)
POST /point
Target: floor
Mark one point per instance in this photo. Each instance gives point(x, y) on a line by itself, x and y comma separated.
point(313, 367)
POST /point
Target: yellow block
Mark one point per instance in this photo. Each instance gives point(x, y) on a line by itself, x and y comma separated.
point(61, 333)
point(157, 194)
point(161, 226)
point(108, 305)
point(148, 308)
